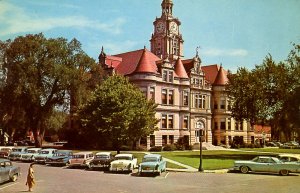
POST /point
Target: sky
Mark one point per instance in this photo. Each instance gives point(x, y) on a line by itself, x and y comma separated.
point(234, 33)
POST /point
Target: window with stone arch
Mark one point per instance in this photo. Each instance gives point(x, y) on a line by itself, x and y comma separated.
point(199, 125)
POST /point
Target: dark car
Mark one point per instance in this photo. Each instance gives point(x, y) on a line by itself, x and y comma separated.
point(60, 158)
point(102, 160)
point(8, 172)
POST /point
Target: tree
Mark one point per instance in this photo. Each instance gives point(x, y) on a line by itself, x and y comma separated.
point(38, 75)
point(118, 111)
point(268, 94)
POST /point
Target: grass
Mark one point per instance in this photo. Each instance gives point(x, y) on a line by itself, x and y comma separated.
point(213, 159)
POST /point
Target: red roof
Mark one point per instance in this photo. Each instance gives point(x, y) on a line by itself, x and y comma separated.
point(146, 64)
point(211, 72)
point(112, 61)
point(262, 129)
point(221, 78)
point(130, 61)
point(179, 69)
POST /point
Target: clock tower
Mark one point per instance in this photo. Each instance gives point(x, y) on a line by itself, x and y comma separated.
point(166, 40)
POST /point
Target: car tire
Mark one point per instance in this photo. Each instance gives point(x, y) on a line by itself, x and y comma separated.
point(14, 178)
point(244, 169)
point(284, 172)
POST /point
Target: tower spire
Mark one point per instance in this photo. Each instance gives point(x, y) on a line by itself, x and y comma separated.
point(167, 7)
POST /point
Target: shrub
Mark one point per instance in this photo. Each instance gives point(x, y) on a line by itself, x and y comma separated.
point(155, 148)
point(125, 148)
point(169, 147)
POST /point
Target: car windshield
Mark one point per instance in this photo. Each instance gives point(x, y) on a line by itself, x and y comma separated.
point(78, 156)
point(150, 159)
point(102, 156)
point(31, 151)
point(17, 150)
point(45, 152)
point(123, 158)
point(60, 154)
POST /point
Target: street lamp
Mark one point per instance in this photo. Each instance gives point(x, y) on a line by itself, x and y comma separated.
point(201, 133)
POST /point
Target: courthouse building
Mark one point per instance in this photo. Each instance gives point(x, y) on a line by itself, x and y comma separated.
point(190, 96)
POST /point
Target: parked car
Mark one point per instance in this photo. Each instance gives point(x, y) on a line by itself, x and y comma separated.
point(5, 151)
point(289, 158)
point(267, 164)
point(102, 160)
point(123, 162)
point(30, 154)
point(81, 159)
point(60, 158)
point(271, 144)
point(278, 144)
point(152, 163)
point(15, 155)
point(43, 155)
point(8, 172)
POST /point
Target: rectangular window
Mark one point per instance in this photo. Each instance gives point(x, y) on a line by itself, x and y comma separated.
point(164, 140)
point(152, 93)
point(164, 121)
point(185, 122)
point(171, 139)
point(170, 76)
point(165, 75)
point(170, 121)
point(215, 105)
point(229, 125)
point(197, 101)
point(223, 125)
point(164, 96)
point(241, 125)
point(185, 98)
point(152, 140)
point(197, 82)
point(236, 125)
point(222, 104)
point(171, 97)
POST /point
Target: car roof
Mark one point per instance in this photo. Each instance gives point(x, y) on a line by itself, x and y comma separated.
point(48, 149)
point(103, 153)
point(63, 151)
point(124, 154)
point(83, 152)
point(152, 155)
point(35, 148)
point(4, 160)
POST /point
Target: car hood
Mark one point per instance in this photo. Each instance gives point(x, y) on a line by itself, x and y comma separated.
point(16, 153)
point(59, 157)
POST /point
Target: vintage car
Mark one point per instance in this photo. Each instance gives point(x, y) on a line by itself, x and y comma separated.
point(15, 155)
point(102, 160)
point(152, 163)
point(43, 155)
point(5, 151)
point(8, 172)
point(81, 159)
point(60, 158)
point(30, 154)
point(267, 164)
point(123, 162)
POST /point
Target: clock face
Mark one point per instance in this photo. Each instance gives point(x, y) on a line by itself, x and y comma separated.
point(160, 27)
point(173, 27)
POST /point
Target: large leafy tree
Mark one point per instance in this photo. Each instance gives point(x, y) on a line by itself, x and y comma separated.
point(39, 75)
point(119, 112)
point(269, 94)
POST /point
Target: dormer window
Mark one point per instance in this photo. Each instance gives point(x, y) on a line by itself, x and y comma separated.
point(167, 76)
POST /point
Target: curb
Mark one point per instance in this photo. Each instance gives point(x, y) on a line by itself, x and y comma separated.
point(222, 171)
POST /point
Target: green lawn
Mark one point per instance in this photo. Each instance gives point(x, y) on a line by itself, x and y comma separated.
point(211, 159)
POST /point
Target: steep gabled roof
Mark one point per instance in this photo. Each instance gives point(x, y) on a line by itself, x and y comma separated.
point(179, 69)
point(221, 78)
point(146, 64)
point(130, 61)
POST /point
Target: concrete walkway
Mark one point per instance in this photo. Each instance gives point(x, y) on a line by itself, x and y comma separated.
point(188, 168)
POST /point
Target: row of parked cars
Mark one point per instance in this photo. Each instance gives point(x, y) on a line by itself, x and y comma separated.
point(151, 163)
point(287, 145)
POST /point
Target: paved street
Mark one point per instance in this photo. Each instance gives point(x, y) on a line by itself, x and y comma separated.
point(60, 180)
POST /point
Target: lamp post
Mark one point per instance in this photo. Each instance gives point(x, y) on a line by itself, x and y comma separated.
point(201, 133)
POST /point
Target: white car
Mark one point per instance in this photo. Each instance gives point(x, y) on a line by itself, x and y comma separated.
point(30, 155)
point(123, 162)
point(44, 154)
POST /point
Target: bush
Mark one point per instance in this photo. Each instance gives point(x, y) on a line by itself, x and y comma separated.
point(155, 148)
point(169, 147)
point(125, 148)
